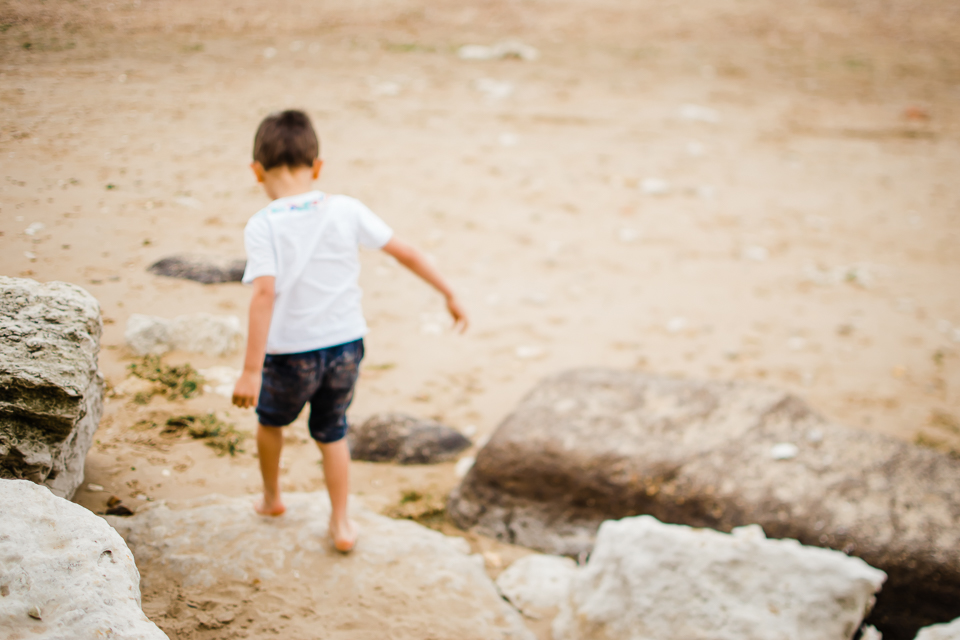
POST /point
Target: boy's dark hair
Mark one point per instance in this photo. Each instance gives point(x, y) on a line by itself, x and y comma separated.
point(286, 138)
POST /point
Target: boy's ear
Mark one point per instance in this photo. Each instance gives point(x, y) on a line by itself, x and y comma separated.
point(316, 168)
point(258, 171)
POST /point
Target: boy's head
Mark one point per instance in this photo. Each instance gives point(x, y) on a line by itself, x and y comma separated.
point(286, 139)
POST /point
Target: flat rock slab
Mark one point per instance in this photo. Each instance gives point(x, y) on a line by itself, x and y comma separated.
point(592, 445)
point(51, 394)
point(203, 269)
point(281, 575)
point(64, 572)
point(646, 580)
point(397, 437)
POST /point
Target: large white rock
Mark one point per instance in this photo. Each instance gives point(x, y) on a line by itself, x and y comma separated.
point(197, 333)
point(947, 631)
point(64, 572)
point(652, 581)
point(402, 581)
point(536, 584)
point(51, 393)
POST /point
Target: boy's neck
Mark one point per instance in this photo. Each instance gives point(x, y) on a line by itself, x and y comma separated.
point(284, 181)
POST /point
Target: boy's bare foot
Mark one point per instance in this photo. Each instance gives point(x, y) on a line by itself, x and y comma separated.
point(344, 535)
point(269, 507)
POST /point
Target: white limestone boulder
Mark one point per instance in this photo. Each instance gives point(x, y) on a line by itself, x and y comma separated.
point(646, 580)
point(537, 584)
point(64, 572)
point(196, 333)
point(51, 393)
point(947, 631)
point(402, 581)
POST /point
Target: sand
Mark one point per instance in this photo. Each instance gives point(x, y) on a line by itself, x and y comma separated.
point(718, 190)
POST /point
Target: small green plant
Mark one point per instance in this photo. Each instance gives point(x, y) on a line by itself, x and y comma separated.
point(426, 509)
point(219, 435)
point(180, 381)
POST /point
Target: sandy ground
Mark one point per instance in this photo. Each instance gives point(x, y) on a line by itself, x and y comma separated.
point(798, 226)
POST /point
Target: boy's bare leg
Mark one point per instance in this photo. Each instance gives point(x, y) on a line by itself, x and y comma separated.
point(336, 471)
point(269, 447)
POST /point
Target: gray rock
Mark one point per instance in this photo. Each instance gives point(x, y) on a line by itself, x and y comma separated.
point(592, 445)
point(217, 549)
point(64, 572)
point(947, 631)
point(646, 580)
point(203, 269)
point(397, 437)
point(51, 394)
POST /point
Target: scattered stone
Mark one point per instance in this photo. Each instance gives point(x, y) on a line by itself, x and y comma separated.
point(147, 335)
point(506, 49)
point(529, 352)
point(494, 89)
point(51, 393)
point(197, 333)
point(537, 584)
point(206, 333)
point(397, 437)
point(221, 380)
point(592, 445)
point(119, 510)
point(868, 632)
point(698, 113)
point(653, 580)
point(203, 269)
point(218, 543)
point(784, 451)
point(756, 254)
point(65, 573)
point(655, 186)
point(946, 631)
point(189, 202)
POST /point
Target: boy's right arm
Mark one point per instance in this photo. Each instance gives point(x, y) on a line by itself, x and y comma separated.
point(261, 312)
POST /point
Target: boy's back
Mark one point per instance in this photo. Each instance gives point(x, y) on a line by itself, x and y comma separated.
point(308, 242)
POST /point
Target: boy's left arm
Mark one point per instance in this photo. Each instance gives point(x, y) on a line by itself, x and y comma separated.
point(414, 260)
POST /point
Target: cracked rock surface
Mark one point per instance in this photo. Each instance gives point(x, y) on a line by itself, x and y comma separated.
point(51, 393)
point(64, 572)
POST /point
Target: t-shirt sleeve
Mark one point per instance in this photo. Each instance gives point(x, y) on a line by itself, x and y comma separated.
point(261, 258)
point(372, 231)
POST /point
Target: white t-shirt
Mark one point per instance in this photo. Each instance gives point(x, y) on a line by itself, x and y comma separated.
point(309, 243)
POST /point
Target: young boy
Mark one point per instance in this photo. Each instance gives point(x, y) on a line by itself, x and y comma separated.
point(306, 328)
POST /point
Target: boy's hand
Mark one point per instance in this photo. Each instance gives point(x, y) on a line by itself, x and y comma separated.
point(246, 390)
point(459, 315)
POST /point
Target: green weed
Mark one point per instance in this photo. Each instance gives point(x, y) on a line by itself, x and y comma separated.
point(219, 435)
point(180, 381)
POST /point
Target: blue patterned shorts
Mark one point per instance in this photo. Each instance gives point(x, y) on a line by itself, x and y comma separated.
point(325, 378)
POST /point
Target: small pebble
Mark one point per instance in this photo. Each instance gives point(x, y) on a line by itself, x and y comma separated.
point(654, 186)
point(528, 352)
point(676, 325)
point(34, 612)
point(94, 488)
point(784, 451)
